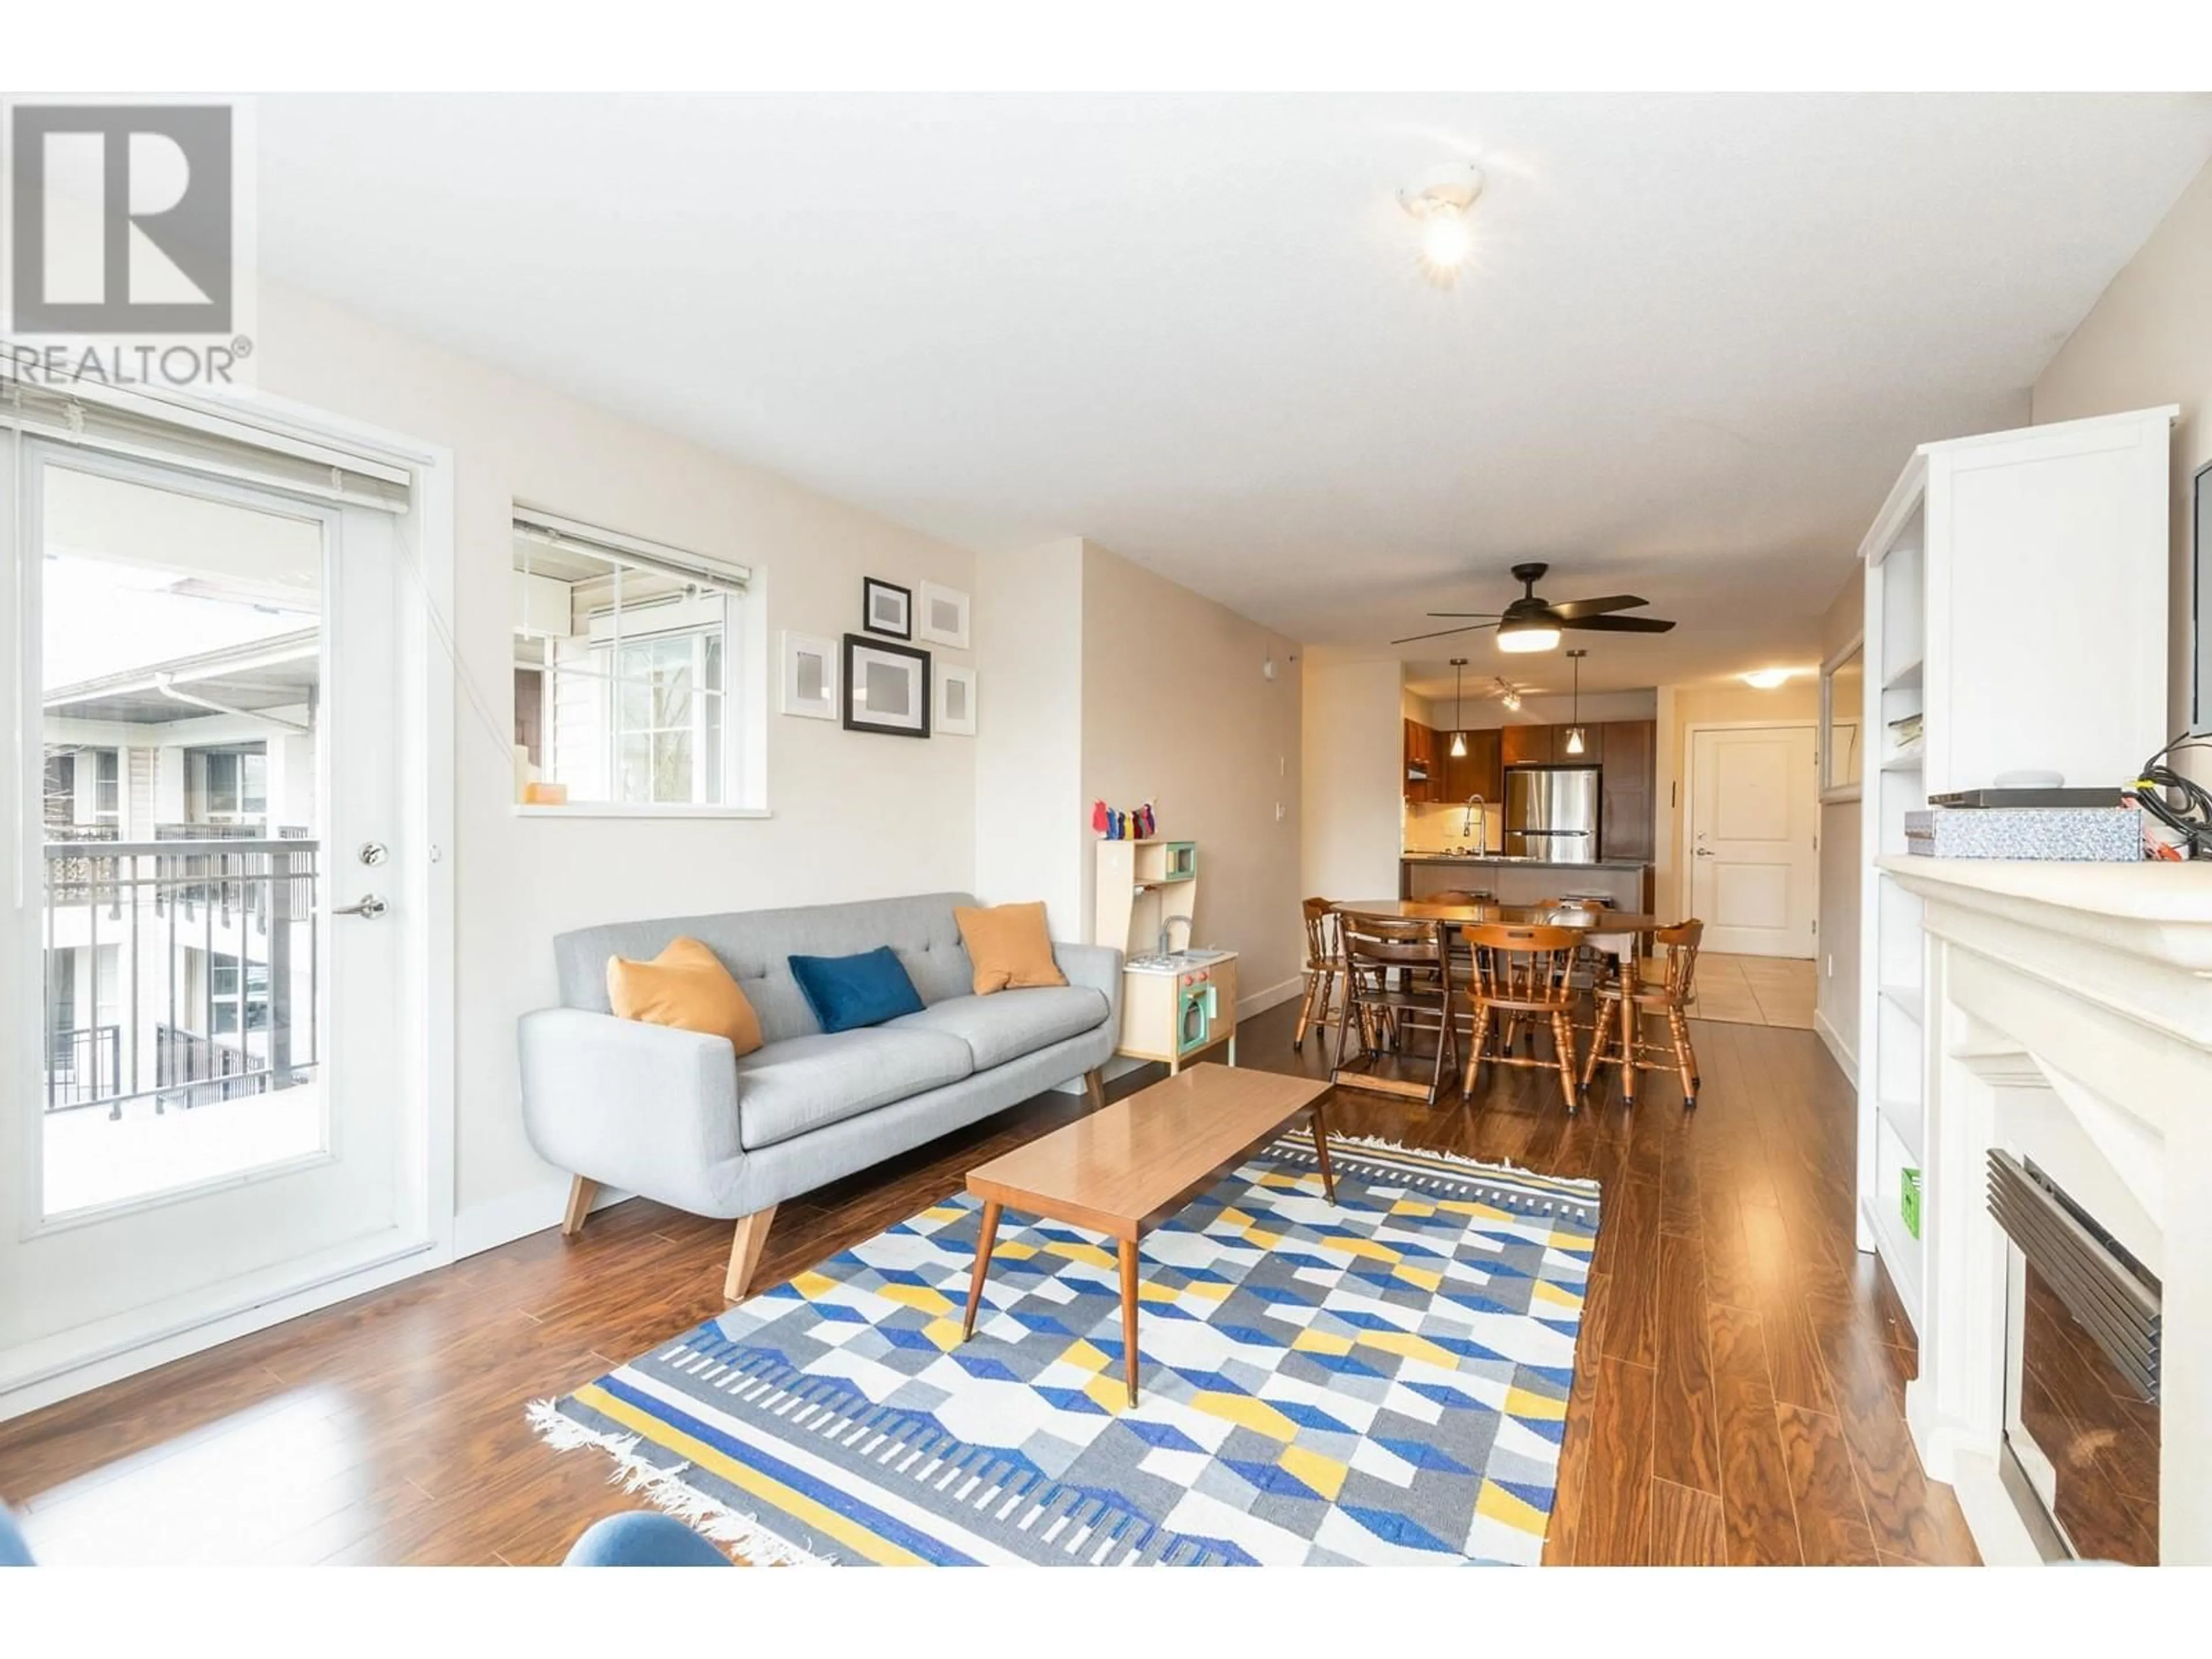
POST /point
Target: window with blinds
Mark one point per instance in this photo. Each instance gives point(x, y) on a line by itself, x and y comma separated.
point(626, 671)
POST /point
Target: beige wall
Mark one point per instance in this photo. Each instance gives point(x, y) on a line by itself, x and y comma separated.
point(1353, 786)
point(1177, 709)
point(2148, 341)
point(1031, 816)
point(854, 816)
point(1680, 707)
point(1836, 962)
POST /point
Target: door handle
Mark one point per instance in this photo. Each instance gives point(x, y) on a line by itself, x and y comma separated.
point(368, 909)
point(1701, 852)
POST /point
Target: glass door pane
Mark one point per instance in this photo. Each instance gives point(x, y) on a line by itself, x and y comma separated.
point(181, 650)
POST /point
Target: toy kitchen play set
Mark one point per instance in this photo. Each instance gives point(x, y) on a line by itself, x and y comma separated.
point(1178, 1000)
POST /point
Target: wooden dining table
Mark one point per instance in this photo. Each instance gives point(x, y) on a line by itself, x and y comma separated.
point(1595, 922)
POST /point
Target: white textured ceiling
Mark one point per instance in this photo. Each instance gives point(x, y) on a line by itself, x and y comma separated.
point(1701, 334)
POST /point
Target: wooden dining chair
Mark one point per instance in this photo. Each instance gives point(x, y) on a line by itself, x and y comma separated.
point(1521, 972)
point(1324, 963)
point(1671, 997)
point(1599, 957)
point(1375, 1000)
point(1460, 964)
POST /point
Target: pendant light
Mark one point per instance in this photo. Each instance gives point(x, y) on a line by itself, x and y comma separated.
point(1576, 742)
point(1459, 732)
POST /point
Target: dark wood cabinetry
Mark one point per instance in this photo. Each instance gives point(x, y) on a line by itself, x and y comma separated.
point(1624, 752)
point(1478, 772)
point(1631, 750)
point(1422, 783)
point(1434, 773)
point(1527, 745)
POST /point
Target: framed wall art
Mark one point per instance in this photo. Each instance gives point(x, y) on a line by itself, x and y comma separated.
point(955, 700)
point(886, 687)
point(944, 616)
point(886, 609)
point(809, 676)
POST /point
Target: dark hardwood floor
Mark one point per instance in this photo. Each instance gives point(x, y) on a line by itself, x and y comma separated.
point(1739, 1393)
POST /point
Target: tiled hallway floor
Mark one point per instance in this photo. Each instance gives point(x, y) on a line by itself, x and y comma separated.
point(1756, 990)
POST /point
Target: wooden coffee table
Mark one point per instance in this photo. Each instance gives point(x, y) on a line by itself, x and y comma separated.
point(1127, 1167)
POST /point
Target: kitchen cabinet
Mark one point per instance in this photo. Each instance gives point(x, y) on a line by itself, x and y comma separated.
point(1593, 745)
point(1627, 787)
point(1527, 745)
point(1422, 782)
point(1478, 772)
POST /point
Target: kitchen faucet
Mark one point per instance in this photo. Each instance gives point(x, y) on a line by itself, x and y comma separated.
point(1477, 806)
point(1167, 937)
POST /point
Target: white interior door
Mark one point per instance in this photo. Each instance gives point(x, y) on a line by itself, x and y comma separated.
point(211, 1082)
point(1754, 861)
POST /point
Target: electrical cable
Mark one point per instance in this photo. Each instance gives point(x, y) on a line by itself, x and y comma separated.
point(2157, 783)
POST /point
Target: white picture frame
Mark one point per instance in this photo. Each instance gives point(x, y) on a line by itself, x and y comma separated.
point(955, 700)
point(943, 616)
point(809, 676)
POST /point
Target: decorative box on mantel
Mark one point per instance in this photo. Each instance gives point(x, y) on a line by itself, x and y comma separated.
point(2094, 834)
point(2068, 1011)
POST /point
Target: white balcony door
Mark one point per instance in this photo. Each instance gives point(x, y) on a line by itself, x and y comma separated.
point(1755, 868)
point(213, 1082)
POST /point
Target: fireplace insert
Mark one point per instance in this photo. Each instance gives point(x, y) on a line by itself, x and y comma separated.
point(2081, 1386)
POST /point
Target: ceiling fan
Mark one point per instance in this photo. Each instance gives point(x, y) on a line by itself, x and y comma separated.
point(1533, 625)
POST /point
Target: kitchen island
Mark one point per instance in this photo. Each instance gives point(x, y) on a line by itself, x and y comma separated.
point(1626, 881)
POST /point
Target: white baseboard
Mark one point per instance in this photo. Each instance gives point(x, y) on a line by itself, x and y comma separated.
point(1258, 1002)
point(503, 1220)
point(1840, 1051)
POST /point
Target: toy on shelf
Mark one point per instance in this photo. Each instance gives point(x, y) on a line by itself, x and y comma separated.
point(1135, 824)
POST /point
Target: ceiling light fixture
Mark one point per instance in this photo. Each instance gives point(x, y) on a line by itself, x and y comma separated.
point(1507, 694)
point(1576, 742)
point(1440, 199)
point(1529, 635)
point(1459, 731)
point(1765, 679)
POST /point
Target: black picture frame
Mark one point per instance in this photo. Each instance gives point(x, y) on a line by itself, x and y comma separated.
point(870, 587)
point(855, 706)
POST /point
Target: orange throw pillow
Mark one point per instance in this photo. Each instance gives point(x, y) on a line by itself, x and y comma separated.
point(1009, 947)
point(686, 986)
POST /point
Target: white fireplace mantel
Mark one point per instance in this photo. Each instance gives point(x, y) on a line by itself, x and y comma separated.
point(2069, 1019)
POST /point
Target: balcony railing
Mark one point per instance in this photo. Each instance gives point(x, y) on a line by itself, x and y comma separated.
point(201, 956)
point(83, 1067)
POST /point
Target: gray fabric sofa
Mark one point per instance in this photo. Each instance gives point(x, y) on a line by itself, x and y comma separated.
point(674, 1115)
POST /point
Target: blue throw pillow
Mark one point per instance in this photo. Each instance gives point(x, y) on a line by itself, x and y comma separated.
point(847, 993)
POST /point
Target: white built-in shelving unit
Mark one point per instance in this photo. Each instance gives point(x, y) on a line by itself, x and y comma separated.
point(2017, 605)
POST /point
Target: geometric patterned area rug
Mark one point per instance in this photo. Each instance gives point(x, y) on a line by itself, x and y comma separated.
point(1382, 1380)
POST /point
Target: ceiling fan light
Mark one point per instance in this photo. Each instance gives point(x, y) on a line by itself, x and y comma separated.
point(1527, 636)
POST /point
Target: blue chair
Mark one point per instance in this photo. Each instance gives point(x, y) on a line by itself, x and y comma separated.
point(14, 1552)
point(643, 1538)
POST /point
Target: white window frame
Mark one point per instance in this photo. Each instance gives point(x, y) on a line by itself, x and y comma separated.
point(746, 668)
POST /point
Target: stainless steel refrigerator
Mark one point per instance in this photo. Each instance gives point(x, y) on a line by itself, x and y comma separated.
point(1551, 813)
